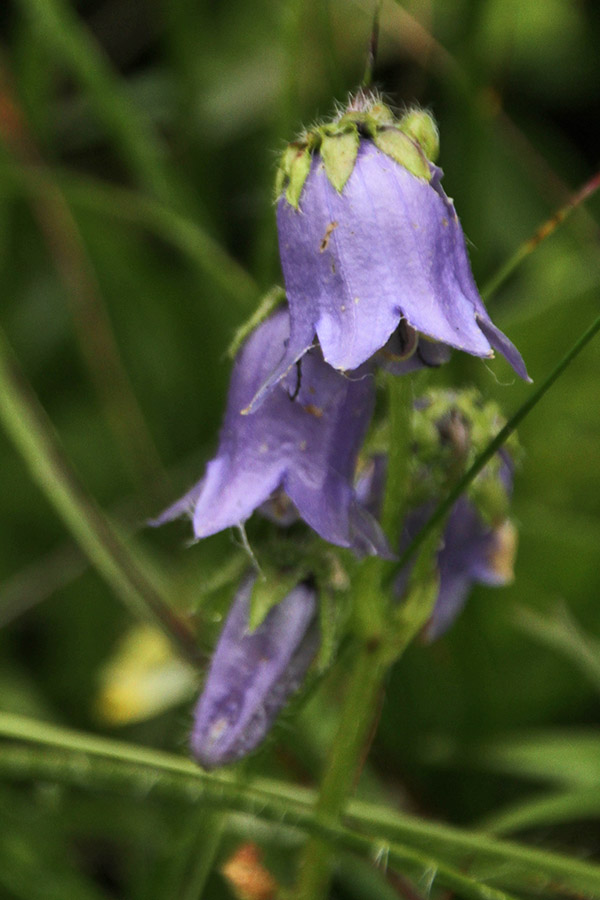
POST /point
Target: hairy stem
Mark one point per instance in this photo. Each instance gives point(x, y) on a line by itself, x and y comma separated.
point(349, 751)
point(360, 711)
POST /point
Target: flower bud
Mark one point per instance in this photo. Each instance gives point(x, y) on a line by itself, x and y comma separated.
point(252, 675)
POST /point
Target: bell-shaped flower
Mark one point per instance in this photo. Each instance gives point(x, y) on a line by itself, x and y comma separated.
point(252, 675)
point(303, 443)
point(368, 240)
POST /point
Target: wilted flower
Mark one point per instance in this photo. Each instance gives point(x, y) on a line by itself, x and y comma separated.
point(479, 541)
point(303, 441)
point(252, 675)
point(472, 552)
point(369, 240)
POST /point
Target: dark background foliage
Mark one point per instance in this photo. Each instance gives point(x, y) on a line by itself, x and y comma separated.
point(182, 105)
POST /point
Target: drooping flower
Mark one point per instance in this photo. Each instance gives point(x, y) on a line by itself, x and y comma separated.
point(479, 541)
point(252, 675)
point(369, 241)
point(302, 442)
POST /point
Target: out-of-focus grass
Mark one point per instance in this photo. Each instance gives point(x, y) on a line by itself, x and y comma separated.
point(157, 125)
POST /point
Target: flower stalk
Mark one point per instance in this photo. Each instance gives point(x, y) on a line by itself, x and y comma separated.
point(374, 655)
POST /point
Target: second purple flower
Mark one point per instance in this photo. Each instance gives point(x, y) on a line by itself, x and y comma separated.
point(303, 443)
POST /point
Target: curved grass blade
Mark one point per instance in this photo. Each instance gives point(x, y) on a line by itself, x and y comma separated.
point(411, 843)
point(176, 229)
point(94, 331)
point(544, 810)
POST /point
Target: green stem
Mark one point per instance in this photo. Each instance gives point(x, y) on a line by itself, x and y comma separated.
point(373, 657)
point(73, 769)
point(399, 415)
point(460, 487)
point(373, 44)
point(349, 749)
point(31, 431)
point(544, 231)
point(195, 856)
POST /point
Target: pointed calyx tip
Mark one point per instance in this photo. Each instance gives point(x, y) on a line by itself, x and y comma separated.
point(411, 141)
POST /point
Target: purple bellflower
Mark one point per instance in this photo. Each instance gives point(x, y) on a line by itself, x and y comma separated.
point(253, 674)
point(300, 447)
point(369, 241)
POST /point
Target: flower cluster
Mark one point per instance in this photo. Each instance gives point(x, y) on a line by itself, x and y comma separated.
point(376, 275)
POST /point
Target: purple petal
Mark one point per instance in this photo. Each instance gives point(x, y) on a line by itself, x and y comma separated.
point(501, 343)
point(252, 674)
point(184, 506)
point(452, 595)
point(370, 483)
point(304, 439)
point(388, 246)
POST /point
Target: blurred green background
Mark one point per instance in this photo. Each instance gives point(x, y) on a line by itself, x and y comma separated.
point(138, 141)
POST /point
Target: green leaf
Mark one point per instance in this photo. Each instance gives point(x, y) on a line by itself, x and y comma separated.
point(557, 629)
point(544, 810)
point(269, 590)
point(569, 757)
point(421, 128)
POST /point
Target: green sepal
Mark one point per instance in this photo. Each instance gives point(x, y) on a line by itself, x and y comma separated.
point(298, 173)
point(399, 147)
point(421, 128)
point(338, 152)
point(285, 167)
point(269, 589)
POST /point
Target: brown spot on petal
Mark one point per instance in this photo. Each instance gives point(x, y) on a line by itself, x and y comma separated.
point(248, 877)
point(315, 411)
point(325, 242)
